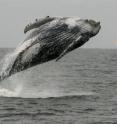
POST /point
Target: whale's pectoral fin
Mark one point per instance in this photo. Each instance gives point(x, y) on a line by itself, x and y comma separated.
point(38, 23)
point(69, 48)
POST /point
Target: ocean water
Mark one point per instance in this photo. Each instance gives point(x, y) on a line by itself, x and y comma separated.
point(79, 89)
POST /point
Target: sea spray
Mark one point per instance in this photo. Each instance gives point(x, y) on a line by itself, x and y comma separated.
point(7, 63)
point(10, 93)
point(9, 60)
point(11, 87)
point(24, 86)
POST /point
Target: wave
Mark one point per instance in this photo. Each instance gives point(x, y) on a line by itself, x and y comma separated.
point(18, 86)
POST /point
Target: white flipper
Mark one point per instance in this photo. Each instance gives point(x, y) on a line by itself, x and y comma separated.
point(69, 47)
point(38, 23)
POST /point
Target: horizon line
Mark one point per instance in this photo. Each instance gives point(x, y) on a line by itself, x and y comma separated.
point(77, 48)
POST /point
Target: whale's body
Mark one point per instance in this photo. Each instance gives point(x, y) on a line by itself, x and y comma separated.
point(50, 38)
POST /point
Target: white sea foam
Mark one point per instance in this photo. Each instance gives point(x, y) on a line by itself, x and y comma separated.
point(10, 93)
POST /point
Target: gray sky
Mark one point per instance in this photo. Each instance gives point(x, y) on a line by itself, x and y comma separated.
point(15, 14)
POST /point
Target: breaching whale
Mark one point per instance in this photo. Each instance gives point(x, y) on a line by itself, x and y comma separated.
point(49, 38)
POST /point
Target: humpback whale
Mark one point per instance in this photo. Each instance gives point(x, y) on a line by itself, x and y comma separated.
point(49, 38)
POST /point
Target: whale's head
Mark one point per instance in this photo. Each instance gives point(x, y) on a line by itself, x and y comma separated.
point(85, 27)
point(92, 27)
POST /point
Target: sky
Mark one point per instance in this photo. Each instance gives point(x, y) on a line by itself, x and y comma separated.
point(15, 14)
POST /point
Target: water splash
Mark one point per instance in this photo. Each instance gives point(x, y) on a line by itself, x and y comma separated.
point(41, 82)
point(7, 63)
point(19, 86)
point(9, 60)
point(11, 87)
point(4, 92)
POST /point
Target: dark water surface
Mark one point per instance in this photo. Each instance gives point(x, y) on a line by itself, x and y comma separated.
point(79, 89)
